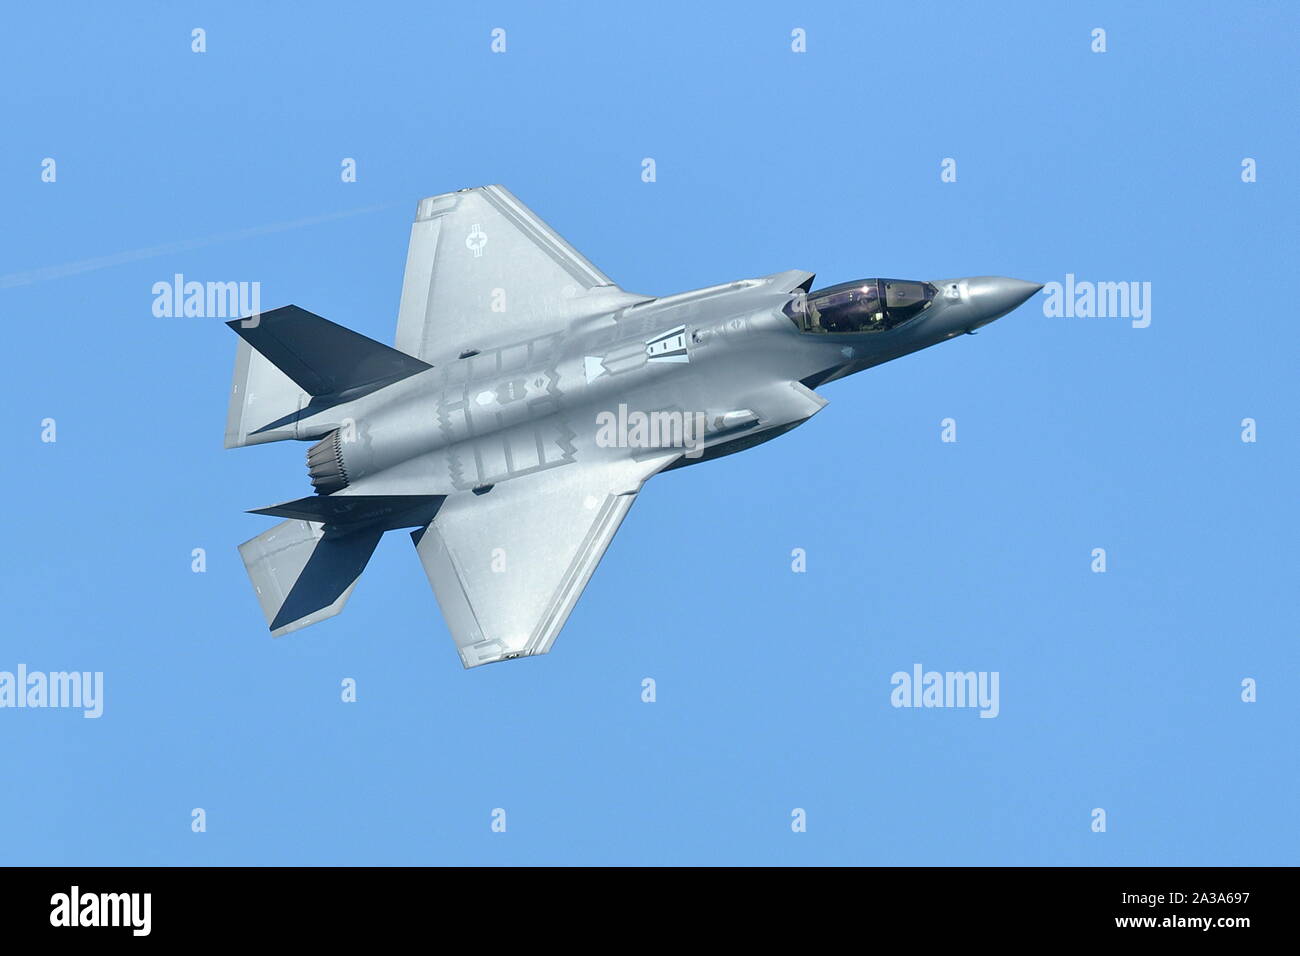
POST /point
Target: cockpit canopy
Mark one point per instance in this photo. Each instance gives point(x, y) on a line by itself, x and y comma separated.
point(867, 305)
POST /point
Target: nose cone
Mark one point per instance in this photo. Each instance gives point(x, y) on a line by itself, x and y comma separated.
point(991, 297)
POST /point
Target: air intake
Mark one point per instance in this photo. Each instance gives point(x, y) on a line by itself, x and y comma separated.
point(325, 465)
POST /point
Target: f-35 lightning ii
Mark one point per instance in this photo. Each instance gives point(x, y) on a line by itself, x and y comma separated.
point(526, 401)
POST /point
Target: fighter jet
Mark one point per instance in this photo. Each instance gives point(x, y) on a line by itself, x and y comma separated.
point(527, 400)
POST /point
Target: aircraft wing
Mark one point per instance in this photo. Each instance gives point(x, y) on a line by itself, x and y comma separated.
point(508, 566)
point(482, 271)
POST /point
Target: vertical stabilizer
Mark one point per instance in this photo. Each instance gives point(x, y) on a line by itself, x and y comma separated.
point(302, 574)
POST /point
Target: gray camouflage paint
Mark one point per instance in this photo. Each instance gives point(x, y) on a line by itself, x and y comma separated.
point(494, 448)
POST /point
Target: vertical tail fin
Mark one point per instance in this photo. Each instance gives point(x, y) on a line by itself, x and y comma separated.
point(288, 358)
point(302, 574)
point(259, 395)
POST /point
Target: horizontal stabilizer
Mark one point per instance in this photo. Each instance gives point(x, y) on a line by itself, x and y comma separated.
point(321, 357)
point(303, 575)
point(385, 511)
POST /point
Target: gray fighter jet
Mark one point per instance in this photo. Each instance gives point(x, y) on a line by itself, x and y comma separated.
point(527, 400)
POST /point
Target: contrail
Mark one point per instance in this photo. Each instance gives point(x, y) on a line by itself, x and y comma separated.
point(133, 255)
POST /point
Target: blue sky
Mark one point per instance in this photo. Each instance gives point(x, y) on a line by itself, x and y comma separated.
point(1119, 690)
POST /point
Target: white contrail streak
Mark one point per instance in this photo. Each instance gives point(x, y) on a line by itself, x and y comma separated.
point(134, 255)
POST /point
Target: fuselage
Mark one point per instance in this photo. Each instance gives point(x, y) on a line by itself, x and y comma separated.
point(735, 363)
point(526, 400)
